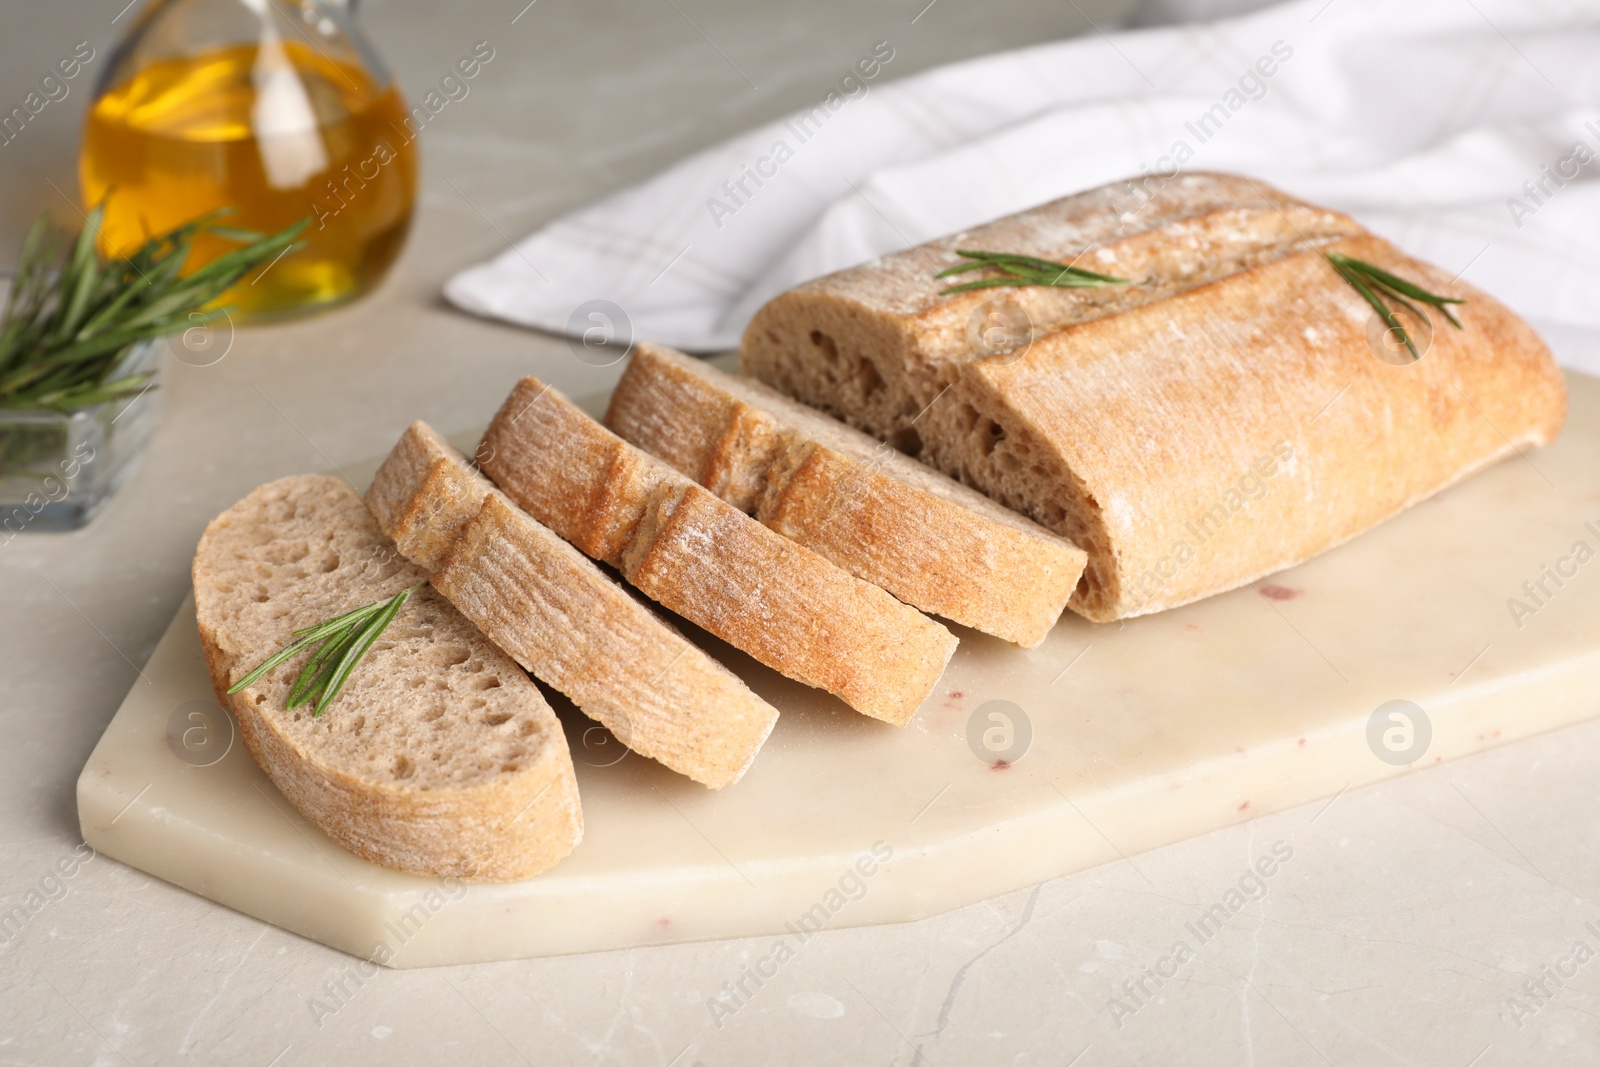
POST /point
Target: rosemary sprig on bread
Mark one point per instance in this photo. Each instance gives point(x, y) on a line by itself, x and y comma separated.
point(1018, 270)
point(344, 641)
point(1377, 285)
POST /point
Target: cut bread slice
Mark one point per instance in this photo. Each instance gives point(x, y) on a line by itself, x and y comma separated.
point(709, 562)
point(439, 757)
point(882, 516)
point(563, 618)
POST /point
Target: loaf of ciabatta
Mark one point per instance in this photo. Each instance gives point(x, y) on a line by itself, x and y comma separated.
point(1232, 410)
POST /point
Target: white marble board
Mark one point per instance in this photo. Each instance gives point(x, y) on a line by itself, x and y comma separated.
point(1142, 734)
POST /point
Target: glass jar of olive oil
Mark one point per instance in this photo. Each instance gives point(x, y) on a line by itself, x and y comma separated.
point(276, 110)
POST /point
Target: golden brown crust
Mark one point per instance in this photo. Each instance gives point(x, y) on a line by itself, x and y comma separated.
point(1179, 235)
point(1166, 438)
point(712, 564)
point(558, 615)
point(933, 543)
point(1223, 419)
point(620, 662)
point(424, 494)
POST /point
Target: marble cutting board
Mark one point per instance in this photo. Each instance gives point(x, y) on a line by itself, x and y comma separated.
point(1024, 765)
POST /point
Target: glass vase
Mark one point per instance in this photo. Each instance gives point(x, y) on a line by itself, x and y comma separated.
point(58, 469)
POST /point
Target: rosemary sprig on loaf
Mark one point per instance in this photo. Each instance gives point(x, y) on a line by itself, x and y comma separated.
point(1018, 270)
point(1377, 285)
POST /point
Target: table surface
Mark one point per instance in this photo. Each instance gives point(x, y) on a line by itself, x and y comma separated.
point(1405, 930)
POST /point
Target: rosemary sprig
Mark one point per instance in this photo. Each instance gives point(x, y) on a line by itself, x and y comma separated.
point(1023, 271)
point(1377, 285)
point(344, 641)
point(71, 315)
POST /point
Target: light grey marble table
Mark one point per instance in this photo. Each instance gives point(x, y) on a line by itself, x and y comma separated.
point(1409, 919)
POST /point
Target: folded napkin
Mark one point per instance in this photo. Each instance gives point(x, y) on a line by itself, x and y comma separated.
point(1464, 130)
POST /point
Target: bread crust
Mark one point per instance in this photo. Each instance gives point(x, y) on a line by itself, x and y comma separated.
point(709, 562)
point(558, 615)
point(1224, 419)
point(424, 494)
point(932, 542)
point(499, 816)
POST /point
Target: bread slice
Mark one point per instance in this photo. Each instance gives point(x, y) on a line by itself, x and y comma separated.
point(709, 562)
point(560, 616)
point(439, 757)
point(1224, 417)
point(932, 542)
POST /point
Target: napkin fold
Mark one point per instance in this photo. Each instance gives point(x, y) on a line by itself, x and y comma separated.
point(1467, 131)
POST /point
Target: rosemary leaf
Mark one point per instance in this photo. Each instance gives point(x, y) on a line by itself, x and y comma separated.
point(322, 629)
point(344, 640)
point(117, 390)
point(285, 653)
point(33, 244)
point(79, 279)
point(1043, 266)
point(320, 667)
point(358, 648)
point(1401, 287)
point(309, 635)
point(1385, 291)
point(237, 233)
point(1020, 270)
point(1389, 317)
point(1376, 284)
point(962, 268)
point(130, 292)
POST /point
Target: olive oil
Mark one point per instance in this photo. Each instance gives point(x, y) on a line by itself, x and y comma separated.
point(275, 131)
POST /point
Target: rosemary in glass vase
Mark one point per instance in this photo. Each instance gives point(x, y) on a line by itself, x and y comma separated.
point(72, 315)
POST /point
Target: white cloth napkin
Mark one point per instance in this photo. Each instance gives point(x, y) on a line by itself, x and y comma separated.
point(1465, 130)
